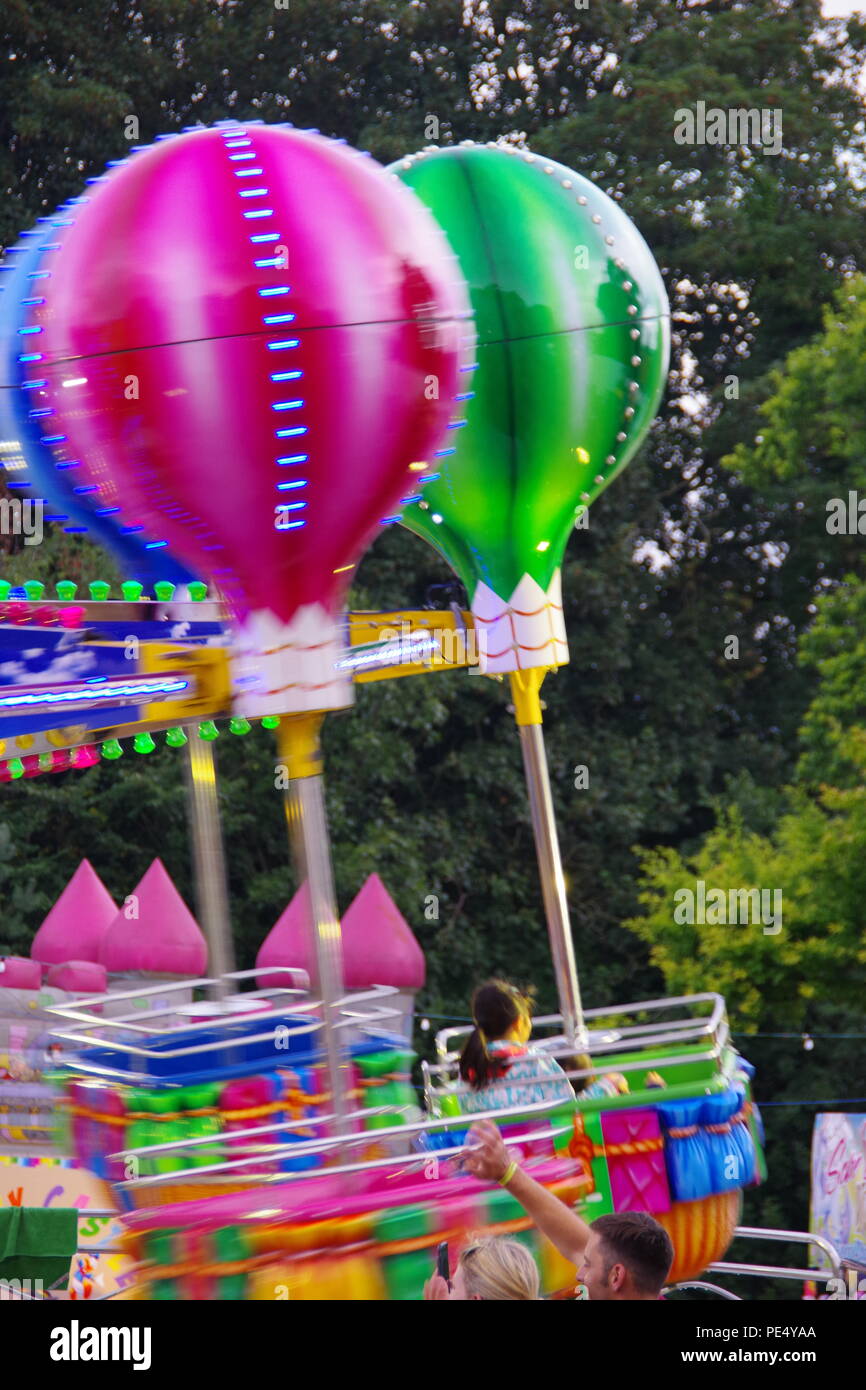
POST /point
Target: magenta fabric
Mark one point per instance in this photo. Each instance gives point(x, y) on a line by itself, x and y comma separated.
point(288, 942)
point(74, 927)
point(17, 972)
point(324, 1198)
point(154, 933)
point(210, 283)
point(638, 1182)
point(247, 1093)
point(379, 946)
point(539, 1147)
point(90, 1136)
point(78, 977)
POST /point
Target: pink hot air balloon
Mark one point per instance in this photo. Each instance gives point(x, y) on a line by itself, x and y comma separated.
point(252, 341)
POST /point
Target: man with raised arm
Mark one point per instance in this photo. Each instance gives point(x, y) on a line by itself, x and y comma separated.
point(623, 1257)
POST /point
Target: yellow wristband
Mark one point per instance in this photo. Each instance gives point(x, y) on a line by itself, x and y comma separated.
point(508, 1174)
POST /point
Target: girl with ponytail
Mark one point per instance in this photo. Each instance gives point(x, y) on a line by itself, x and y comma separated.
point(500, 1068)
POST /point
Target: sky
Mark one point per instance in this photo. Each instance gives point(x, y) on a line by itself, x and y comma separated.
point(831, 8)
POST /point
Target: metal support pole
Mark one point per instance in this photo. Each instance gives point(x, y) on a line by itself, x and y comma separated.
point(211, 885)
point(308, 835)
point(525, 687)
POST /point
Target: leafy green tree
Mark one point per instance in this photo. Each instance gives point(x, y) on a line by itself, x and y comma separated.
point(809, 450)
point(835, 648)
point(768, 969)
point(806, 841)
point(424, 776)
point(675, 559)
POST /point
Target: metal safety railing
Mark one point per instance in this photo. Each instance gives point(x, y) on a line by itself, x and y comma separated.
point(704, 1287)
point(146, 1050)
point(799, 1274)
point(782, 1271)
point(86, 1013)
point(93, 1030)
point(710, 1034)
point(325, 1145)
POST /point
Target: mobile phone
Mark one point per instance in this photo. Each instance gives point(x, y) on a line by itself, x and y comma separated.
point(443, 1269)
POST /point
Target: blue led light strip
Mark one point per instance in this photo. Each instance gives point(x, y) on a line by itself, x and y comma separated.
point(242, 139)
point(140, 692)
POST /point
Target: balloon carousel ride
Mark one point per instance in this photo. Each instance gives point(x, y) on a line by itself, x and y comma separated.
point(237, 356)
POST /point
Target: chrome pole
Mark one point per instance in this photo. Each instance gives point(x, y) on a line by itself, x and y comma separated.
point(308, 836)
point(552, 880)
point(211, 886)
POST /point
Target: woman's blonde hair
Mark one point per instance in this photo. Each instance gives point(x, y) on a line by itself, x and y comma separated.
point(496, 1269)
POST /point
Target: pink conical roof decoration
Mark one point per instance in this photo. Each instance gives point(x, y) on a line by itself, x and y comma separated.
point(163, 939)
point(78, 920)
point(288, 942)
point(379, 947)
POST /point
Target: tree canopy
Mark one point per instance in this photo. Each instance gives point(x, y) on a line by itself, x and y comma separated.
point(700, 763)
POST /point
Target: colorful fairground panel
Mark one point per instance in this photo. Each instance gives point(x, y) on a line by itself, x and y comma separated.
point(471, 343)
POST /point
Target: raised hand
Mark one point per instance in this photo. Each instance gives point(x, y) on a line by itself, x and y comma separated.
point(486, 1155)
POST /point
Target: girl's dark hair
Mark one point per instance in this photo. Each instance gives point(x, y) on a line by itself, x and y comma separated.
point(496, 1007)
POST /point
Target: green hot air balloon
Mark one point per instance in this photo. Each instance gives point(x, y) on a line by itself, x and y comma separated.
point(573, 337)
point(573, 332)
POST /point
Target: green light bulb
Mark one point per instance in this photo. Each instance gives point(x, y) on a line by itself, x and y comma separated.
point(131, 590)
point(16, 768)
point(34, 589)
point(66, 590)
point(271, 721)
point(99, 590)
point(143, 743)
point(208, 731)
point(5, 586)
point(164, 590)
point(240, 726)
point(197, 591)
point(46, 761)
point(111, 749)
point(175, 738)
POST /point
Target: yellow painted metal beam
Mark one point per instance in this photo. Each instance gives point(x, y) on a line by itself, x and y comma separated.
point(452, 646)
point(210, 668)
point(453, 641)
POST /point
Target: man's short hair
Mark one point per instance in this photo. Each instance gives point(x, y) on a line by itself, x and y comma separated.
point(636, 1240)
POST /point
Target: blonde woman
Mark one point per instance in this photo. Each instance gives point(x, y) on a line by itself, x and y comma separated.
point(494, 1270)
